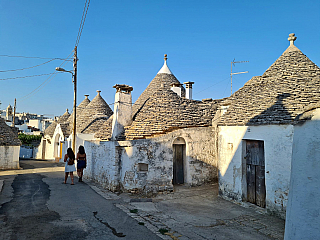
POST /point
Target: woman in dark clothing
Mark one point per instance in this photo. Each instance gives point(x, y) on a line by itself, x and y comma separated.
point(81, 162)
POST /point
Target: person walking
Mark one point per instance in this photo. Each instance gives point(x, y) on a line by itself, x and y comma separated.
point(69, 167)
point(81, 162)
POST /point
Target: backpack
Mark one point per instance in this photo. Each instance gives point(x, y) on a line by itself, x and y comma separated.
point(71, 161)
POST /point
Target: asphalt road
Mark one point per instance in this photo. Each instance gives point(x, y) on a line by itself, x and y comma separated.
point(37, 205)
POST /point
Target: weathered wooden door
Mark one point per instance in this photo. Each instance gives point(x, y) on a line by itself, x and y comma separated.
point(256, 188)
point(178, 173)
point(44, 149)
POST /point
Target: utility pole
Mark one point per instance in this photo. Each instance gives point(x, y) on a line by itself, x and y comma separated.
point(75, 60)
point(14, 113)
point(232, 63)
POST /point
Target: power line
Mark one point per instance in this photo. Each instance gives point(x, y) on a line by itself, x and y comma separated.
point(38, 75)
point(35, 57)
point(83, 19)
point(211, 86)
point(44, 83)
point(28, 67)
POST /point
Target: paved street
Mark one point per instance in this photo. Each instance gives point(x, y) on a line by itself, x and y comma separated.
point(36, 205)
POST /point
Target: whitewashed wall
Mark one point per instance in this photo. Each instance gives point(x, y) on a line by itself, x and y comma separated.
point(278, 153)
point(49, 150)
point(303, 210)
point(26, 152)
point(9, 157)
point(102, 165)
point(116, 164)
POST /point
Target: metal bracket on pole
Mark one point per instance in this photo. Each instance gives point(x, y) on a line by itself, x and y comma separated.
point(231, 74)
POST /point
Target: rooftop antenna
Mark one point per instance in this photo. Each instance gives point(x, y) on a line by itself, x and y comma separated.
point(232, 63)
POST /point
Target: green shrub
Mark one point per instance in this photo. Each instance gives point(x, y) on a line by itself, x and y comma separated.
point(27, 139)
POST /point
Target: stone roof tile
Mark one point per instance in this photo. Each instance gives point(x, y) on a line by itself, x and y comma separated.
point(7, 136)
point(50, 130)
point(290, 84)
point(166, 111)
point(97, 108)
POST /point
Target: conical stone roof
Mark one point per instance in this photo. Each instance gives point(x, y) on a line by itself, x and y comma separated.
point(81, 107)
point(166, 111)
point(97, 108)
point(102, 127)
point(50, 130)
point(290, 84)
point(162, 80)
point(7, 136)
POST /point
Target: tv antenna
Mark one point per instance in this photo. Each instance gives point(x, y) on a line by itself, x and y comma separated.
point(232, 63)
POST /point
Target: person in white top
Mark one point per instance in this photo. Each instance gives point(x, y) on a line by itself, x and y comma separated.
point(70, 166)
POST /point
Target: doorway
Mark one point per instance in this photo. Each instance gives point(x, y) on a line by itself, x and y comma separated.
point(255, 172)
point(44, 142)
point(179, 152)
point(56, 152)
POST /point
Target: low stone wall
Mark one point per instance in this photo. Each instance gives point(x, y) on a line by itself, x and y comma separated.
point(146, 165)
point(9, 157)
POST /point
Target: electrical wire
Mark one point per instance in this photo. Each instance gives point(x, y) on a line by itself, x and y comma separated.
point(36, 57)
point(28, 67)
point(38, 75)
point(211, 86)
point(43, 84)
point(83, 19)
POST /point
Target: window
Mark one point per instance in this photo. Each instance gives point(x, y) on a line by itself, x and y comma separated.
point(142, 167)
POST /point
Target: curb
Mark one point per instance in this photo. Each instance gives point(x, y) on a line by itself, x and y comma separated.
point(152, 226)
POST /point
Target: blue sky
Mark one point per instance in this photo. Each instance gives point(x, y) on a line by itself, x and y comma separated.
point(123, 42)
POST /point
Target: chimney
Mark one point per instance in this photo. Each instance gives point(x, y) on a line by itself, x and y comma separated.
point(176, 87)
point(122, 110)
point(188, 89)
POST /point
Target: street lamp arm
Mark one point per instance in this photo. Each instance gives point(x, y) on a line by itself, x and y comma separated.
point(63, 70)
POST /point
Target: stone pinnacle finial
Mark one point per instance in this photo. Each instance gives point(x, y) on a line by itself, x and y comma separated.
point(67, 110)
point(292, 38)
point(87, 95)
point(165, 57)
point(98, 91)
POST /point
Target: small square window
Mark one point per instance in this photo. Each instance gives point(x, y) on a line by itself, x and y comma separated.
point(142, 167)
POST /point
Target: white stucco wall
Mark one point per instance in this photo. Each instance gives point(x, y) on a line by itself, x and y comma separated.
point(26, 152)
point(119, 161)
point(49, 147)
point(9, 157)
point(102, 164)
point(303, 211)
point(278, 152)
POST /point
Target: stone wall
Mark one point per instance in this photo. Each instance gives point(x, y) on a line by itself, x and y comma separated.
point(122, 164)
point(102, 165)
point(9, 157)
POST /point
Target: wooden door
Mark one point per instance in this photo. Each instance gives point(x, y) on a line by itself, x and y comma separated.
point(61, 147)
point(178, 173)
point(44, 149)
point(255, 165)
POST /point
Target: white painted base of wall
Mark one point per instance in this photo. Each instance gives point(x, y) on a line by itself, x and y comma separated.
point(9, 157)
